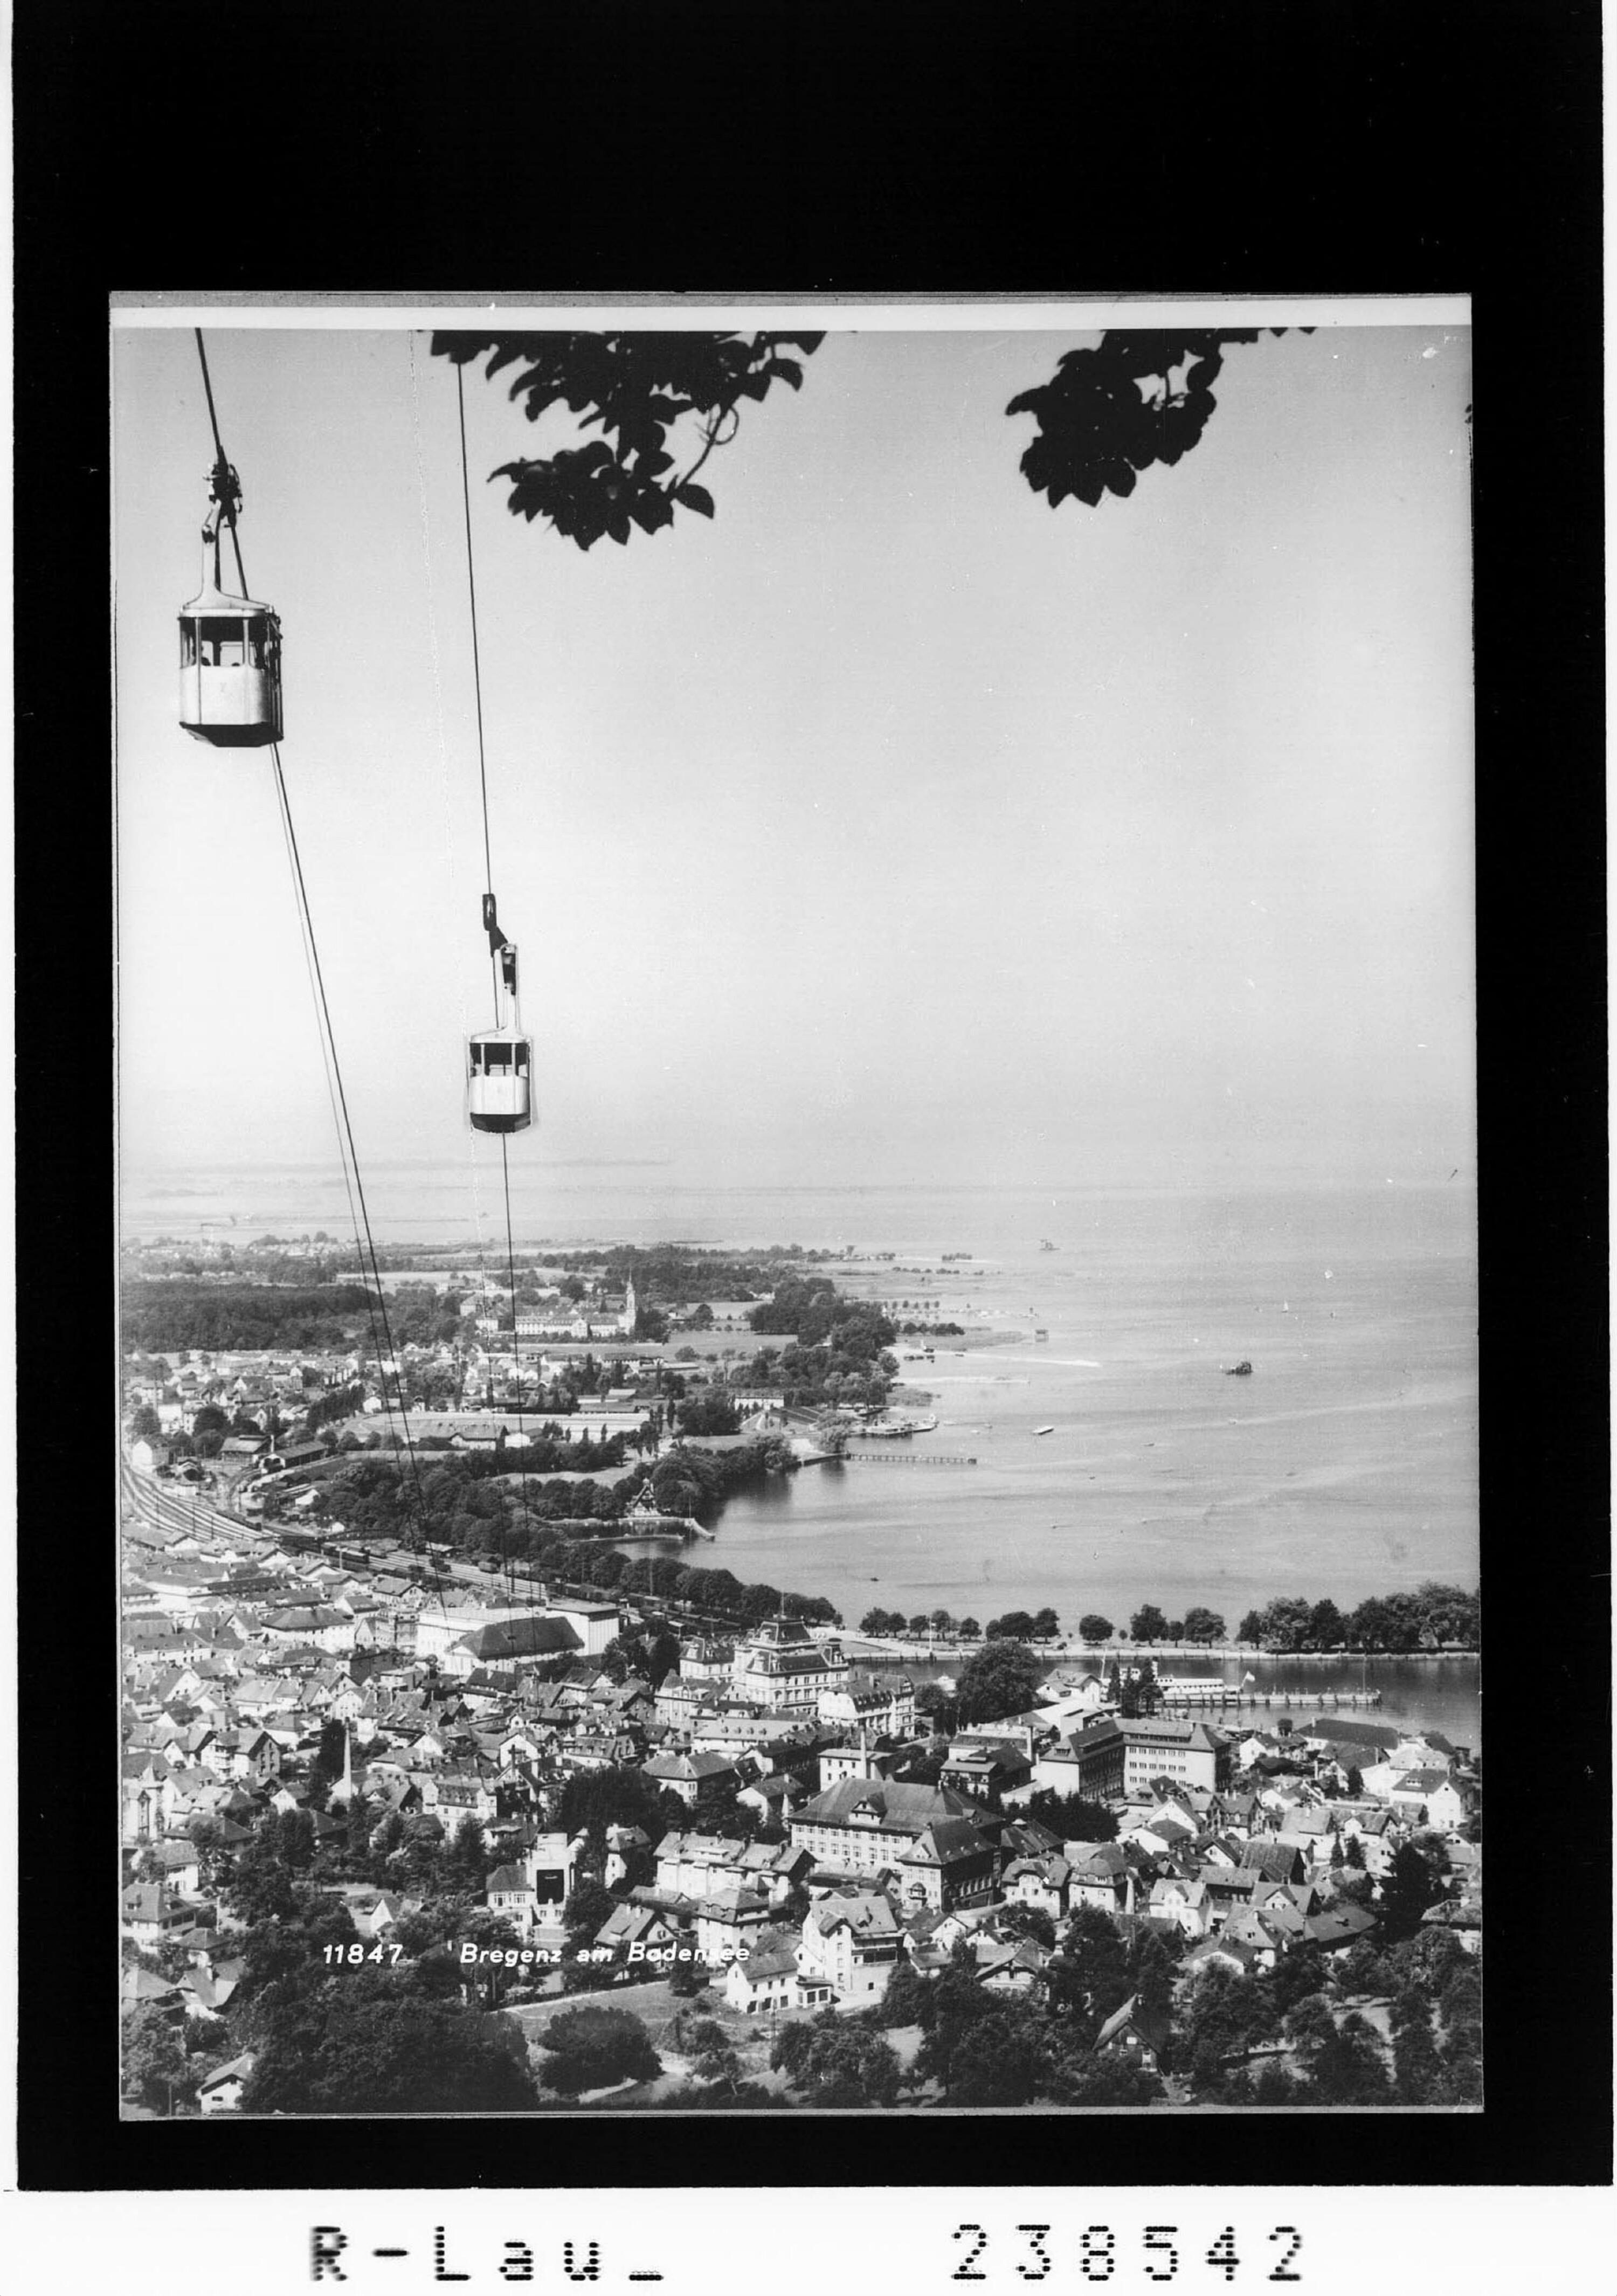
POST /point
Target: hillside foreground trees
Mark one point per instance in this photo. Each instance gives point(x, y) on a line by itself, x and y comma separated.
point(662, 402)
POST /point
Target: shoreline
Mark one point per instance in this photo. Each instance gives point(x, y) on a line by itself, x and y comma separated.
point(900, 1648)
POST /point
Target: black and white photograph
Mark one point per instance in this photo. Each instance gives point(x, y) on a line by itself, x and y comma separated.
point(797, 1181)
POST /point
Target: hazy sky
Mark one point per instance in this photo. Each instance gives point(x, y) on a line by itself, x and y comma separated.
point(891, 828)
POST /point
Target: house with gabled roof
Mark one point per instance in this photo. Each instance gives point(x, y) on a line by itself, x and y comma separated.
point(207, 1993)
point(1276, 1860)
point(1229, 1888)
point(648, 1926)
point(851, 1940)
point(151, 1911)
point(457, 1794)
point(695, 1778)
point(726, 1920)
point(142, 1988)
point(1220, 1950)
point(1313, 1829)
point(1283, 1910)
point(1134, 2032)
point(953, 1861)
point(221, 2090)
point(1263, 1941)
point(179, 1863)
point(1464, 1919)
point(501, 1645)
point(375, 1913)
point(1044, 1882)
point(1335, 1927)
point(982, 1766)
point(1014, 1965)
point(509, 1892)
point(1180, 1903)
point(774, 1797)
point(1163, 1831)
point(1101, 1875)
point(628, 1853)
point(1429, 1797)
point(768, 1978)
point(304, 1628)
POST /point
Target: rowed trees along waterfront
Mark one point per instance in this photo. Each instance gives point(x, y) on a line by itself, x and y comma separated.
point(1433, 1617)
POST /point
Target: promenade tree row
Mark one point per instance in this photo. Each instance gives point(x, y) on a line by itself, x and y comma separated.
point(1433, 1617)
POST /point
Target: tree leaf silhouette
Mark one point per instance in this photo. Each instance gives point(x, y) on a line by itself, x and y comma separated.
point(634, 388)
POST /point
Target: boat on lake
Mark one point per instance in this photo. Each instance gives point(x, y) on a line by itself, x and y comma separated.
point(897, 1427)
point(1242, 1370)
point(1050, 1430)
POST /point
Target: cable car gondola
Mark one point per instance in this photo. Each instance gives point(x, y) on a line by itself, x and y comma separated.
point(230, 647)
point(499, 1061)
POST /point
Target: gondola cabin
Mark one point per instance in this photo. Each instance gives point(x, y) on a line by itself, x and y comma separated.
point(499, 1090)
point(230, 670)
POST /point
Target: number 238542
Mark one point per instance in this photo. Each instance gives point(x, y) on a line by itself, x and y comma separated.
point(1099, 2252)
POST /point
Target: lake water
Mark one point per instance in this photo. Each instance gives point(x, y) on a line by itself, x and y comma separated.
point(1345, 1466)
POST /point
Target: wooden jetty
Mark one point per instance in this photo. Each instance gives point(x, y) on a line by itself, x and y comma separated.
point(909, 1459)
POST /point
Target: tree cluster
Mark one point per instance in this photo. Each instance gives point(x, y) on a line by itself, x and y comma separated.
point(1001, 1678)
point(180, 1315)
point(1019, 1625)
point(711, 1413)
point(836, 2065)
point(384, 2040)
point(944, 1623)
point(1149, 1624)
point(1434, 1615)
point(839, 1353)
point(590, 2047)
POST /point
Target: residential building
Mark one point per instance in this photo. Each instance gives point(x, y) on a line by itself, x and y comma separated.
point(221, 2091)
point(768, 1978)
point(853, 1943)
point(982, 1765)
point(1135, 2033)
point(696, 1778)
point(884, 1704)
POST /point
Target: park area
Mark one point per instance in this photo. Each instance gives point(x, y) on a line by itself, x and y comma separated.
point(700, 2042)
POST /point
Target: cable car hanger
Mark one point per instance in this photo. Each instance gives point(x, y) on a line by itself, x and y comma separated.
point(499, 1059)
point(230, 644)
